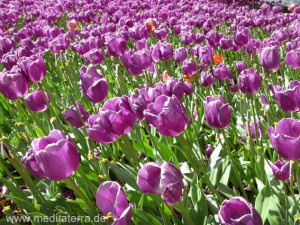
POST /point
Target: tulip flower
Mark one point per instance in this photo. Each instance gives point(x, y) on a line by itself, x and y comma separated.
point(162, 51)
point(13, 84)
point(241, 36)
point(249, 81)
point(206, 79)
point(221, 72)
point(136, 62)
point(36, 101)
point(116, 46)
point(72, 25)
point(270, 58)
point(34, 68)
point(167, 115)
point(285, 138)
point(150, 24)
point(288, 99)
point(218, 58)
point(54, 156)
point(240, 66)
point(33, 167)
point(116, 117)
point(180, 54)
point(281, 170)
point(94, 56)
point(189, 67)
point(112, 202)
point(292, 59)
point(177, 87)
point(260, 130)
point(208, 151)
point(217, 112)
point(74, 117)
point(237, 211)
point(163, 179)
point(93, 84)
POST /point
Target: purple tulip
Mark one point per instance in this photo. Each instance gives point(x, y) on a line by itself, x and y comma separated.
point(34, 68)
point(249, 81)
point(36, 102)
point(240, 66)
point(208, 151)
point(270, 58)
point(281, 170)
point(136, 62)
point(30, 163)
point(94, 56)
point(237, 211)
point(177, 87)
point(93, 84)
point(189, 67)
point(221, 72)
point(285, 138)
point(293, 59)
point(54, 156)
point(217, 112)
point(241, 36)
point(116, 117)
point(111, 200)
point(180, 54)
point(162, 51)
point(167, 115)
point(260, 130)
point(74, 117)
point(264, 100)
point(116, 46)
point(13, 84)
point(206, 79)
point(289, 99)
point(163, 179)
point(226, 43)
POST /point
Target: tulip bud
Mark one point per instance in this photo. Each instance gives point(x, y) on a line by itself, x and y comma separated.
point(73, 25)
point(13, 84)
point(36, 101)
point(281, 170)
point(53, 156)
point(270, 58)
point(74, 117)
point(112, 202)
point(164, 179)
point(285, 138)
point(249, 81)
point(206, 79)
point(34, 68)
point(167, 115)
point(217, 112)
point(238, 211)
point(94, 86)
point(180, 54)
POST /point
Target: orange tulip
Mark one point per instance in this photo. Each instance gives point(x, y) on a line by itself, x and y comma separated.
point(73, 25)
point(190, 78)
point(218, 58)
point(150, 24)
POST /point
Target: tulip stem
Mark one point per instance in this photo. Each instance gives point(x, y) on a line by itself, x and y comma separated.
point(192, 158)
point(292, 186)
point(235, 170)
point(15, 161)
point(77, 190)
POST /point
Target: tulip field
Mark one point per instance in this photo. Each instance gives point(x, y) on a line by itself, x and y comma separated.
point(149, 112)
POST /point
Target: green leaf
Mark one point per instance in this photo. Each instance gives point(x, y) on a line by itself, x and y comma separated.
point(141, 217)
point(266, 205)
